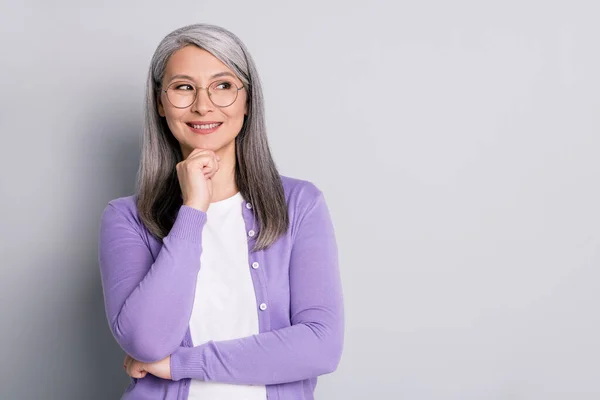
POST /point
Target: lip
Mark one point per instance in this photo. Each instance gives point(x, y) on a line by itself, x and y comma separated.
point(203, 131)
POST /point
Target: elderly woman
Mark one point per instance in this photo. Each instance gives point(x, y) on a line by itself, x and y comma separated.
point(220, 276)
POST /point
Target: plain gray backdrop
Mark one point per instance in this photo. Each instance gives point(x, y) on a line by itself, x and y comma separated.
point(456, 142)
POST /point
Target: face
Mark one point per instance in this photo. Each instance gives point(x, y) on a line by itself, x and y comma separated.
point(200, 67)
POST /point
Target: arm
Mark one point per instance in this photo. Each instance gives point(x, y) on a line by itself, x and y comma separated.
point(149, 303)
point(311, 346)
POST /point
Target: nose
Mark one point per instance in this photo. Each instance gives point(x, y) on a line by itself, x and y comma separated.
point(203, 103)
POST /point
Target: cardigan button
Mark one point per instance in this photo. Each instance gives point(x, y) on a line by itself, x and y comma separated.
point(254, 265)
point(251, 233)
point(263, 306)
point(248, 205)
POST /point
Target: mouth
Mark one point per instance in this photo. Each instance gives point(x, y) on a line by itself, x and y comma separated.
point(203, 127)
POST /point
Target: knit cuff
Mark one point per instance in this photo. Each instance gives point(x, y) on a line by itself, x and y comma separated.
point(189, 224)
point(188, 362)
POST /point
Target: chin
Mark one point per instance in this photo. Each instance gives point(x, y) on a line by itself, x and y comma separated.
point(204, 144)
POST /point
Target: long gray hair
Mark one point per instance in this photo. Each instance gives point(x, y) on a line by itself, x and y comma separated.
point(157, 187)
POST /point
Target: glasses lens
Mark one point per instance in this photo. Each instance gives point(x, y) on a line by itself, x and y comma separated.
point(181, 94)
point(223, 93)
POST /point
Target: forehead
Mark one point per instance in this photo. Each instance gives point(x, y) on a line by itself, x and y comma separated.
point(194, 62)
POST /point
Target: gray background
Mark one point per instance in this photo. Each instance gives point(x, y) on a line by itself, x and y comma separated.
point(456, 143)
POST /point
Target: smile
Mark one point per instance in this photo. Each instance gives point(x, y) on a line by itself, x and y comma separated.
point(209, 126)
point(204, 128)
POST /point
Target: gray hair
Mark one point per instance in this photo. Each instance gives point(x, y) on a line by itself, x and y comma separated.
point(157, 186)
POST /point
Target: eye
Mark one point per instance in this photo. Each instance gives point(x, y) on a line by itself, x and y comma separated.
point(223, 85)
point(184, 87)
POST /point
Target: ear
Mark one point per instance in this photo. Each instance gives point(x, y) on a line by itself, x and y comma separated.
point(161, 110)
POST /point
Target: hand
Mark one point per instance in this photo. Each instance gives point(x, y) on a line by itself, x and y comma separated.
point(194, 174)
point(138, 369)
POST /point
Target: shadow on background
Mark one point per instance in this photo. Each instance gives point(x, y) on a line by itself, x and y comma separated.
point(116, 149)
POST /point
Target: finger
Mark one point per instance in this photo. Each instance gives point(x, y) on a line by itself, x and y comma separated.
point(209, 169)
point(212, 165)
point(135, 372)
point(142, 370)
point(210, 173)
point(137, 375)
point(198, 152)
point(195, 152)
point(206, 153)
point(132, 369)
point(200, 162)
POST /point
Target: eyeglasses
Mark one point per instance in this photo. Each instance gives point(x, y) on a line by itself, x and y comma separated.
point(221, 93)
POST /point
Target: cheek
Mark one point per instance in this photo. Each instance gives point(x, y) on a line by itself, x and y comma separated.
point(174, 121)
point(174, 115)
point(236, 113)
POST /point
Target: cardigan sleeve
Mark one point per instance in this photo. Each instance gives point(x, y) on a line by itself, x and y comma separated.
point(149, 302)
point(311, 346)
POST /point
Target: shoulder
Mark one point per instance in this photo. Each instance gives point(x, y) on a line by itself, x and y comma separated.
point(306, 206)
point(122, 208)
point(300, 192)
point(301, 196)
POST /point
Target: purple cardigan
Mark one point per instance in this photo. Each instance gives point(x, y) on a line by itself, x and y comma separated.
point(149, 286)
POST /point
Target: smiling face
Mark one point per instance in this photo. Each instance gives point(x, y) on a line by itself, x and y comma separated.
point(193, 67)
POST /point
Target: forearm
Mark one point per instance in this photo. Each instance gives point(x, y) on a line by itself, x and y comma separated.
point(149, 304)
point(289, 354)
point(154, 318)
point(311, 346)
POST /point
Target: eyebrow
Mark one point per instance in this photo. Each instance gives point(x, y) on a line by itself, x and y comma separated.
point(217, 75)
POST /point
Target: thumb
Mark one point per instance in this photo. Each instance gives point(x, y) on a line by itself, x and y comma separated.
point(140, 370)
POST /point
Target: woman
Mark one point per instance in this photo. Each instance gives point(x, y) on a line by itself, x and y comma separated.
point(220, 276)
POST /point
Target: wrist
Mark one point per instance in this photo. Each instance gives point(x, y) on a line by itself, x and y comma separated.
point(197, 206)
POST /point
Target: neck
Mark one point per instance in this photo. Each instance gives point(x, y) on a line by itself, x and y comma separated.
point(223, 181)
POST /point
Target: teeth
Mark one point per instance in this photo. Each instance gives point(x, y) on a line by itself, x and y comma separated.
point(210, 126)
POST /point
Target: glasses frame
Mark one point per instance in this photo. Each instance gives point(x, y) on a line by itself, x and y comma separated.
point(198, 88)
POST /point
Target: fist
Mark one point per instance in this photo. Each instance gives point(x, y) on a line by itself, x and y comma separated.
point(138, 369)
point(195, 177)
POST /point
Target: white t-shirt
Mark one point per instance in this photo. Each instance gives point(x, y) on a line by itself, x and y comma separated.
point(225, 303)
